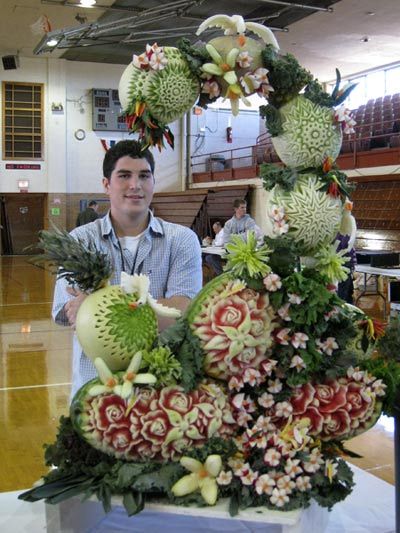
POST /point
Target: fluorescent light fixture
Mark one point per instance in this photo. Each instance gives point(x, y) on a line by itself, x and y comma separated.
point(52, 42)
point(87, 3)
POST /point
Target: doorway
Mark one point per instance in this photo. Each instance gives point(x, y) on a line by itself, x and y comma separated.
point(22, 217)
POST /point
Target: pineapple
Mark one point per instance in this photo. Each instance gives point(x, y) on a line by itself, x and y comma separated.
point(111, 323)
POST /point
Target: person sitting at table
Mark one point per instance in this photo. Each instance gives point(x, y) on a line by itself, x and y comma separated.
point(241, 222)
point(214, 261)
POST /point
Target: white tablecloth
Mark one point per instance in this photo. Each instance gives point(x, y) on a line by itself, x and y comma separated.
point(369, 509)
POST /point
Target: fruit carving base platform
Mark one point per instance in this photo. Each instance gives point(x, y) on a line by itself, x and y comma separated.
point(72, 516)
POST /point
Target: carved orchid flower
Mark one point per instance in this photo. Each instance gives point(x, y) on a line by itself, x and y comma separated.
point(120, 385)
point(225, 68)
point(202, 477)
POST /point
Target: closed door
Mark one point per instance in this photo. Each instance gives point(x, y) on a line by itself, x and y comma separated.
point(25, 216)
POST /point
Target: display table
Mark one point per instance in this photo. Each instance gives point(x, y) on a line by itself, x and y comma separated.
point(369, 271)
point(213, 250)
point(369, 509)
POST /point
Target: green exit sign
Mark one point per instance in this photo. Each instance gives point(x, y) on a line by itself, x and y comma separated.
point(55, 211)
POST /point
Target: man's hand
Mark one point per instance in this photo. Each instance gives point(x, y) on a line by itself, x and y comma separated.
point(179, 302)
point(71, 308)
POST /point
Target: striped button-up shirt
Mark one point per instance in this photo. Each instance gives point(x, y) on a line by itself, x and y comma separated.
point(168, 253)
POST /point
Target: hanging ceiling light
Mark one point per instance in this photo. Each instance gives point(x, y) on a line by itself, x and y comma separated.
point(52, 42)
point(87, 3)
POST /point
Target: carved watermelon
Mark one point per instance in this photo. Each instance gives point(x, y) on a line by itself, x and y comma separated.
point(151, 424)
point(234, 325)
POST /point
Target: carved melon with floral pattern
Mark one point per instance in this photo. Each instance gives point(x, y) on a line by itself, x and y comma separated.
point(306, 213)
point(310, 134)
point(151, 424)
point(234, 325)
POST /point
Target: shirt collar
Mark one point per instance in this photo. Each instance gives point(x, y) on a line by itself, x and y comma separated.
point(107, 227)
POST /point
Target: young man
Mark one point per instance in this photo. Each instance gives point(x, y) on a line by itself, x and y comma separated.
point(89, 214)
point(136, 242)
point(240, 223)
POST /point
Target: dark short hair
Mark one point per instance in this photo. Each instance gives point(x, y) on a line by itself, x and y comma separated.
point(238, 202)
point(92, 202)
point(218, 222)
point(133, 149)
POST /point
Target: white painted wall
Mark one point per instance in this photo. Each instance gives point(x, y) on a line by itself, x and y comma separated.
point(69, 165)
point(208, 133)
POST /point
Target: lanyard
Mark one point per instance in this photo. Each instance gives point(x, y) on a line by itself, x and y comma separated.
point(121, 253)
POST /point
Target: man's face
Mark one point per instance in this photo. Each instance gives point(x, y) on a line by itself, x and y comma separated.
point(130, 188)
point(240, 211)
point(216, 228)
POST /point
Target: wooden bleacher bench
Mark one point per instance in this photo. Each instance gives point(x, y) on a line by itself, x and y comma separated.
point(198, 208)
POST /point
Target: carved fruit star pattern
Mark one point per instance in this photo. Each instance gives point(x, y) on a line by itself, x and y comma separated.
point(313, 216)
point(310, 134)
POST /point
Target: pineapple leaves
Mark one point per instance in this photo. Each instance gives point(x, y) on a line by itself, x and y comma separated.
point(80, 264)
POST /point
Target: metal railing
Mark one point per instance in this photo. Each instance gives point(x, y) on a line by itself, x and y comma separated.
point(376, 134)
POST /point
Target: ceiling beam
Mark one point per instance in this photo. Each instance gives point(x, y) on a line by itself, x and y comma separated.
point(301, 6)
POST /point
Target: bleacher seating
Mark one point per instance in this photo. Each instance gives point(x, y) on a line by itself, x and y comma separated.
point(378, 126)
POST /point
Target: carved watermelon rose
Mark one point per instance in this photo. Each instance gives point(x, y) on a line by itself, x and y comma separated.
point(339, 408)
point(234, 325)
point(150, 423)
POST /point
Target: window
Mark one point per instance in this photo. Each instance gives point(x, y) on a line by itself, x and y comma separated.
point(22, 120)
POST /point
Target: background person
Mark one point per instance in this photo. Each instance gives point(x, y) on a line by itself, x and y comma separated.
point(89, 214)
point(135, 242)
point(240, 223)
point(214, 261)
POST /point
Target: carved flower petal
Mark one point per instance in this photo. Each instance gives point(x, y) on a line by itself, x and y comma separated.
point(219, 342)
point(96, 390)
point(215, 55)
point(193, 465)
point(117, 390)
point(230, 77)
point(102, 369)
point(251, 341)
point(214, 426)
point(192, 416)
point(185, 485)
point(230, 332)
point(193, 433)
point(174, 434)
point(174, 417)
point(213, 465)
point(206, 408)
point(235, 347)
point(211, 68)
point(209, 490)
point(134, 365)
point(126, 389)
point(145, 379)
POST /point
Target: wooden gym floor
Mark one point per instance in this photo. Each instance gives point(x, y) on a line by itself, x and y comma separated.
point(35, 380)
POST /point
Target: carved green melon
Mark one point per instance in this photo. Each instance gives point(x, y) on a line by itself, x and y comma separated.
point(168, 93)
point(131, 85)
point(109, 326)
point(309, 134)
point(313, 215)
point(171, 92)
